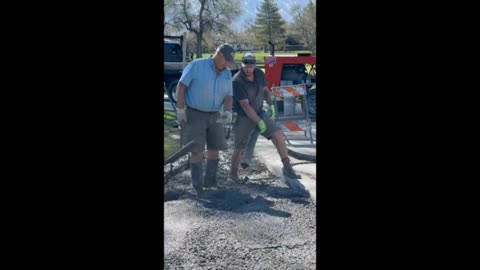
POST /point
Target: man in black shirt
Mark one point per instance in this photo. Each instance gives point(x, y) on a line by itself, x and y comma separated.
point(249, 91)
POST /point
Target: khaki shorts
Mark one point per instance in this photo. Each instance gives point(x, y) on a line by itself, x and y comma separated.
point(202, 128)
point(243, 127)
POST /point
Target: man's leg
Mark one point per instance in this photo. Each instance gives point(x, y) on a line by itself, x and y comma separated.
point(211, 168)
point(234, 165)
point(279, 142)
point(242, 129)
point(195, 130)
point(252, 141)
point(196, 169)
point(215, 141)
point(248, 153)
point(196, 157)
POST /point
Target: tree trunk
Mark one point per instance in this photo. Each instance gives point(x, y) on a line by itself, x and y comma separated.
point(199, 45)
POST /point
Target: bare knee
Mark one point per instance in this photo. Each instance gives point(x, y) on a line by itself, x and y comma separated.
point(196, 157)
point(212, 154)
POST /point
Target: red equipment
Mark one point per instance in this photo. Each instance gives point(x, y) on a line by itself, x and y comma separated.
point(290, 68)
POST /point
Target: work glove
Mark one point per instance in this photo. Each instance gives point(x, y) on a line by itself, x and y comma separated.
point(227, 117)
point(262, 126)
point(273, 113)
point(181, 116)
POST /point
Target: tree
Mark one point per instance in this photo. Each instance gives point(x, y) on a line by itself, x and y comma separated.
point(305, 24)
point(171, 12)
point(206, 16)
point(247, 35)
point(269, 23)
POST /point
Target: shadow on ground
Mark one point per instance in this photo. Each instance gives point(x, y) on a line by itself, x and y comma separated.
point(300, 197)
point(232, 199)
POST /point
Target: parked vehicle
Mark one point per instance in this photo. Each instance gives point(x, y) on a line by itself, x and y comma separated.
point(174, 61)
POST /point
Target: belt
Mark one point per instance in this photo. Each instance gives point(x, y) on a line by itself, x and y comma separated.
point(197, 110)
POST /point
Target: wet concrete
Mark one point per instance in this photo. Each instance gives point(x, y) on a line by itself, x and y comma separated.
point(261, 224)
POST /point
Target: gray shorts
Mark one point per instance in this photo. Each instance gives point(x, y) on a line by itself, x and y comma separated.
point(243, 127)
point(202, 128)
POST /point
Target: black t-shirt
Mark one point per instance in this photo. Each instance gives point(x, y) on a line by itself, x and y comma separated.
point(245, 89)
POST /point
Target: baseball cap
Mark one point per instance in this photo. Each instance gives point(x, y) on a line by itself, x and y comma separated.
point(227, 51)
point(249, 60)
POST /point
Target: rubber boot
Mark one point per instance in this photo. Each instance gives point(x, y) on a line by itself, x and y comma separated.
point(211, 173)
point(197, 172)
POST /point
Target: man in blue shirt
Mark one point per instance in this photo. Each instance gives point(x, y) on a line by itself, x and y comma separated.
point(204, 88)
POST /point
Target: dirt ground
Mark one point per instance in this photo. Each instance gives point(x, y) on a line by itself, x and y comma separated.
point(261, 224)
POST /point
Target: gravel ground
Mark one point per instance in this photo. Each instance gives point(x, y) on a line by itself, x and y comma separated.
point(261, 224)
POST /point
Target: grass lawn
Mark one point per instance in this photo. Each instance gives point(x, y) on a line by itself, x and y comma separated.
point(258, 54)
point(171, 145)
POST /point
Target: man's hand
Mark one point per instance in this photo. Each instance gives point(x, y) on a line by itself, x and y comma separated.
point(181, 116)
point(227, 116)
point(274, 114)
point(262, 126)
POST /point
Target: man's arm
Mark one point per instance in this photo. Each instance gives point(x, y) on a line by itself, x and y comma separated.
point(267, 97)
point(227, 103)
point(186, 78)
point(249, 110)
point(181, 88)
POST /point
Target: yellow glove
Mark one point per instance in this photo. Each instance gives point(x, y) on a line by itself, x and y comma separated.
point(262, 126)
point(272, 109)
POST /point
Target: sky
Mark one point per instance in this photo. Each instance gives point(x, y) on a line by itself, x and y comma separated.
point(250, 8)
